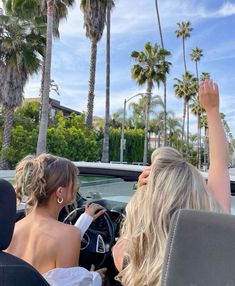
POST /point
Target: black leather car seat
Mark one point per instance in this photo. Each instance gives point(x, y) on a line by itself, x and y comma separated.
point(200, 250)
point(13, 271)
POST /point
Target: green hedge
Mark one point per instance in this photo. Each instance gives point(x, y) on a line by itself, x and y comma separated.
point(134, 145)
point(69, 137)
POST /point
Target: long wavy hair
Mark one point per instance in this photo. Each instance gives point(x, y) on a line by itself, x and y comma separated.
point(38, 177)
point(173, 184)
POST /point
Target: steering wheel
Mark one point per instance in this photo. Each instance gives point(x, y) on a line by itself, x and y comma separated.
point(97, 241)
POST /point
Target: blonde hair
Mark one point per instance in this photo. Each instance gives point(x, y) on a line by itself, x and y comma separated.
point(38, 177)
point(173, 184)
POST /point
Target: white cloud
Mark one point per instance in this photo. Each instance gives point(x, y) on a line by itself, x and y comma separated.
point(227, 9)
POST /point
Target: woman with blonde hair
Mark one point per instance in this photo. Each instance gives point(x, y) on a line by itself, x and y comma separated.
point(52, 247)
point(171, 184)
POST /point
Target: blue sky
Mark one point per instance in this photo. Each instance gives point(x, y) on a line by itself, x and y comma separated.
point(133, 24)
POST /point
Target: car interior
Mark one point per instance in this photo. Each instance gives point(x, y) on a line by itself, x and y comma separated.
point(200, 249)
point(103, 232)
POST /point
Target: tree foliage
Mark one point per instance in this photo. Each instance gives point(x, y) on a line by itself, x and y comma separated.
point(68, 137)
point(134, 145)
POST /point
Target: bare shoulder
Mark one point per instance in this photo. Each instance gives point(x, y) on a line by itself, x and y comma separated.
point(68, 233)
point(69, 244)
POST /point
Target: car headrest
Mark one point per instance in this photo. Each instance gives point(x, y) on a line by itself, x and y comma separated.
point(7, 213)
point(200, 250)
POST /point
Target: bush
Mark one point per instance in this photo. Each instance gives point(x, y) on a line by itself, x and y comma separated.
point(68, 137)
point(134, 145)
point(23, 142)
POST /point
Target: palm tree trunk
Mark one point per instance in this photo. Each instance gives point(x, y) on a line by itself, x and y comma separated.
point(159, 24)
point(90, 104)
point(7, 129)
point(41, 144)
point(156, 139)
point(205, 150)
point(170, 139)
point(164, 98)
point(42, 87)
point(165, 119)
point(159, 139)
point(198, 128)
point(187, 141)
point(185, 67)
point(147, 108)
point(182, 135)
point(105, 153)
point(200, 141)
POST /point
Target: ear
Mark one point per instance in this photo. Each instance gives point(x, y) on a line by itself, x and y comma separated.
point(60, 192)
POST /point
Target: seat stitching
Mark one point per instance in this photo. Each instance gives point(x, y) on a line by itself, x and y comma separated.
point(171, 248)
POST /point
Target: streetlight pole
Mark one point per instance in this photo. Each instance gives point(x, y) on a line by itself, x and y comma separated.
point(123, 123)
point(147, 108)
point(123, 126)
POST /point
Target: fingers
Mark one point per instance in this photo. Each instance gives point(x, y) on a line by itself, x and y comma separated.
point(201, 87)
point(216, 88)
point(93, 206)
point(209, 95)
point(94, 210)
point(208, 85)
point(92, 267)
point(143, 178)
point(99, 213)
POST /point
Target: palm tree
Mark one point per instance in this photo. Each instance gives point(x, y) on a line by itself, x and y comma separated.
point(138, 109)
point(162, 46)
point(174, 126)
point(41, 144)
point(204, 75)
point(116, 120)
point(186, 89)
point(105, 152)
point(151, 67)
point(184, 32)
point(20, 47)
point(94, 12)
point(156, 125)
point(36, 11)
point(226, 129)
point(196, 56)
point(198, 110)
point(55, 10)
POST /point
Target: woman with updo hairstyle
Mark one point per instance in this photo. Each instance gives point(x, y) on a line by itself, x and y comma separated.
point(39, 177)
point(50, 183)
point(171, 183)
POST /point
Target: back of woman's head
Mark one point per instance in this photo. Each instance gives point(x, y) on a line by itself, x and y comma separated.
point(173, 184)
point(38, 177)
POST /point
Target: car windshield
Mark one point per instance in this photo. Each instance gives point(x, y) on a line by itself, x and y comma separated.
point(113, 188)
point(106, 187)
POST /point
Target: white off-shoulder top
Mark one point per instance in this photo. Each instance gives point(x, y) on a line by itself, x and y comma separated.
point(72, 276)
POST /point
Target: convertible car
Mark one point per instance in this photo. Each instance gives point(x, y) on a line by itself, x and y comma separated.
point(110, 185)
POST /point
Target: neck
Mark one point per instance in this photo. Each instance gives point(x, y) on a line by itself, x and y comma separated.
point(47, 211)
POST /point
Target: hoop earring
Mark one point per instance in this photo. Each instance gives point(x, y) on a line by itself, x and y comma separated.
point(60, 200)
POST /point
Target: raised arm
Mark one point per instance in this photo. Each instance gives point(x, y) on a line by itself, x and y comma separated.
point(218, 174)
